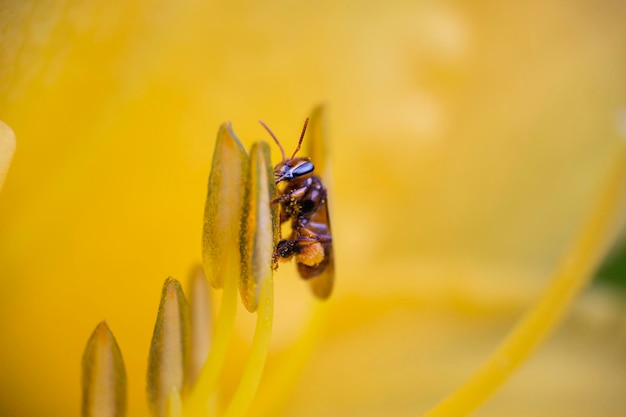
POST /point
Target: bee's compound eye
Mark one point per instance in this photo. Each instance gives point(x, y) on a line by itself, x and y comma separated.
point(302, 169)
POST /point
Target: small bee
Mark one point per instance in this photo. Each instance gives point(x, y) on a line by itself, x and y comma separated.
point(303, 200)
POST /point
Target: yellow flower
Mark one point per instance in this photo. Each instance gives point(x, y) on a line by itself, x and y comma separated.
point(469, 144)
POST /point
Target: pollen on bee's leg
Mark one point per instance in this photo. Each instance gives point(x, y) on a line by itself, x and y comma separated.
point(311, 255)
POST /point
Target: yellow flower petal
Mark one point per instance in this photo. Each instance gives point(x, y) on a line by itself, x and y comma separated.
point(104, 376)
point(465, 151)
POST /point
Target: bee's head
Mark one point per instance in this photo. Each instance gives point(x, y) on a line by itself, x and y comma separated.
point(293, 168)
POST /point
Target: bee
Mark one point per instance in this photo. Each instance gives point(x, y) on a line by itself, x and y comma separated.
point(303, 200)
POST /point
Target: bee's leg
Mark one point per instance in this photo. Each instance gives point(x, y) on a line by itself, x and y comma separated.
point(308, 251)
point(315, 237)
point(324, 238)
point(290, 196)
point(280, 199)
point(285, 249)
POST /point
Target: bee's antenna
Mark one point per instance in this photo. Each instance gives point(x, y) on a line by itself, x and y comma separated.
point(282, 151)
point(306, 122)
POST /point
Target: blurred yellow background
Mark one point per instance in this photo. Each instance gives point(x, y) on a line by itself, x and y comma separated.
point(468, 141)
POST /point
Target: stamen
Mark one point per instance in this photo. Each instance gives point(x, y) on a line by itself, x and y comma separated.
point(253, 371)
point(256, 286)
point(277, 386)
point(257, 225)
point(7, 149)
point(221, 256)
point(570, 278)
point(168, 350)
point(200, 397)
point(174, 404)
point(104, 376)
point(200, 324)
point(222, 210)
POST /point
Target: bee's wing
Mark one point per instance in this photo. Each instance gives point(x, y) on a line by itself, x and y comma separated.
point(317, 149)
point(322, 276)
